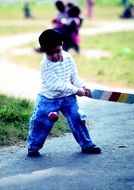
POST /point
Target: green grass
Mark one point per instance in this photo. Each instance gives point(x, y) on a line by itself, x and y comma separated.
point(15, 11)
point(116, 69)
point(14, 120)
point(14, 116)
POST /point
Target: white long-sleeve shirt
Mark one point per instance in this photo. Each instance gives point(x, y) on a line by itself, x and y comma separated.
point(59, 79)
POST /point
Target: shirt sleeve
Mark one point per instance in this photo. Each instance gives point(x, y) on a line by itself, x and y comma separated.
point(75, 80)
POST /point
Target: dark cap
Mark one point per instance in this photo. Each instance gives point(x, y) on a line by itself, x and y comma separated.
point(50, 39)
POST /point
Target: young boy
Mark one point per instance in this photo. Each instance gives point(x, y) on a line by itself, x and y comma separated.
point(60, 85)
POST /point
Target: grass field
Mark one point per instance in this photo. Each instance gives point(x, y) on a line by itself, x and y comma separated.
point(115, 69)
point(14, 121)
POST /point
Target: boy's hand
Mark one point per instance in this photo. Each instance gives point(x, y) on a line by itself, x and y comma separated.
point(80, 92)
point(87, 92)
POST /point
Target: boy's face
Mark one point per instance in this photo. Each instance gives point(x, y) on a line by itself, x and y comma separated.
point(55, 54)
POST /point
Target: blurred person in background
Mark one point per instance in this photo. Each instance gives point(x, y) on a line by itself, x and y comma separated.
point(68, 22)
point(128, 11)
point(71, 36)
point(27, 10)
point(58, 21)
point(124, 2)
point(90, 8)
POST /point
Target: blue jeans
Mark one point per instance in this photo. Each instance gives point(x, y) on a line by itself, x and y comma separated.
point(40, 125)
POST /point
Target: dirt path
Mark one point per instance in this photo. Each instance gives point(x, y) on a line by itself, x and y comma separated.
point(109, 27)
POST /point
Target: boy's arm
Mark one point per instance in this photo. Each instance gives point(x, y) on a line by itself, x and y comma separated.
point(75, 80)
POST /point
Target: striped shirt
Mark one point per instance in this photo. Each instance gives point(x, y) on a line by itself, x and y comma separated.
point(59, 79)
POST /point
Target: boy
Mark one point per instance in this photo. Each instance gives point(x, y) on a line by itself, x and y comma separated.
point(60, 85)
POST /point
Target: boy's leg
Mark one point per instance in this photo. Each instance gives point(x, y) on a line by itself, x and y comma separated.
point(40, 125)
point(77, 125)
